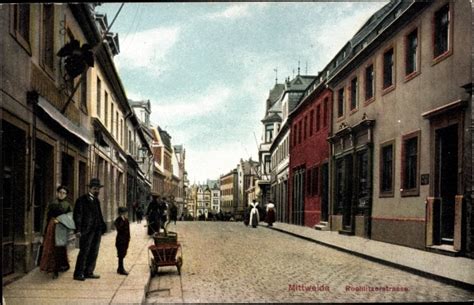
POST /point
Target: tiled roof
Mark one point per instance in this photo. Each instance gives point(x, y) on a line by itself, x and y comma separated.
point(165, 137)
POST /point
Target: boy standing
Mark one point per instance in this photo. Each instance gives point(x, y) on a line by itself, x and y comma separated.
point(123, 238)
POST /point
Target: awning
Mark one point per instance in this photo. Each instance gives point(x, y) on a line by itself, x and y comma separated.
point(78, 131)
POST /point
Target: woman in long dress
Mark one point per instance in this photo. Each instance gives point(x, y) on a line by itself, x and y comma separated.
point(54, 258)
point(254, 215)
point(270, 216)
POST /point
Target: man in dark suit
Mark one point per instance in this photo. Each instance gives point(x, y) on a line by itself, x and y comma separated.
point(90, 226)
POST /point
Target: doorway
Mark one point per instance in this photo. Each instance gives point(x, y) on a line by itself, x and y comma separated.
point(14, 191)
point(446, 179)
point(343, 192)
point(324, 192)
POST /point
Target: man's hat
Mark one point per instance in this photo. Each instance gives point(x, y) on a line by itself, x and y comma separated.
point(95, 182)
point(155, 194)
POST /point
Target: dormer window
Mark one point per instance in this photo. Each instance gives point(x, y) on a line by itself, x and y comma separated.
point(268, 133)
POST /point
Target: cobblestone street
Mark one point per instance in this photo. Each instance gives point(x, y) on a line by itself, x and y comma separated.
point(228, 262)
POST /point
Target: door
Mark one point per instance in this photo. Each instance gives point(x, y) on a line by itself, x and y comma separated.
point(347, 196)
point(324, 192)
point(446, 183)
point(8, 232)
point(343, 191)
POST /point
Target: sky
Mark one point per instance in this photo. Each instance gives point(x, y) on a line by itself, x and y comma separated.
point(207, 68)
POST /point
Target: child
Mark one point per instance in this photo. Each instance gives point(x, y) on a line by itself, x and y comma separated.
point(123, 238)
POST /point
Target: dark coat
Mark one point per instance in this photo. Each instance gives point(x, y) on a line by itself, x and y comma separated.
point(153, 216)
point(123, 236)
point(173, 212)
point(88, 215)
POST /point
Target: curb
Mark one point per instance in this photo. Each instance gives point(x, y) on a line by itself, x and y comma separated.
point(382, 261)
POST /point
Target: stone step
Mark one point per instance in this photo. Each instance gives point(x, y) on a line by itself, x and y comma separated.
point(322, 226)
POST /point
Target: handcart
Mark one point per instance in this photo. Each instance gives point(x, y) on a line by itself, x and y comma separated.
point(165, 252)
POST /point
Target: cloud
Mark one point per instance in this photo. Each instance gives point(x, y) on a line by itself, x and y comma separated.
point(332, 35)
point(148, 49)
point(190, 106)
point(212, 161)
point(236, 11)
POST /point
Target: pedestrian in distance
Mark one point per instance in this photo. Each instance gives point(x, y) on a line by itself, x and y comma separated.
point(153, 214)
point(90, 226)
point(134, 210)
point(139, 214)
point(254, 214)
point(54, 257)
point(123, 238)
point(163, 212)
point(172, 210)
point(247, 215)
point(270, 215)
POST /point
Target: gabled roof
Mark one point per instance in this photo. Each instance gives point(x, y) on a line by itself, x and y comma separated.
point(299, 83)
point(272, 117)
point(275, 93)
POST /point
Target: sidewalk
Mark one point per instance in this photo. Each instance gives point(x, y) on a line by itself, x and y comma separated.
point(39, 288)
point(458, 271)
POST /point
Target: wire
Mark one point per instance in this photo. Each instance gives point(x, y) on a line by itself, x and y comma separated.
point(116, 15)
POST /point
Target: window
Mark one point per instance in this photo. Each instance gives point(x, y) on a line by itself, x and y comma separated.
point(311, 122)
point(354, 93)
point(441, 31)
point(305, 126)
point(98, 96)
point(111, 117)
point(106, 105)
point(410, 162)
point(411, 52)
point(295, 134)
point(116, 125)
point(386, 169)
point(309, 184)
point(318, 116)
point(20, 22)
point(268, 133)
point(369, 82)
point(325, 112)
point(340, 103)
point(299, 130)
point(84, 91)
point(121, 132)
point(267, 164)
point(388, 71)
point(315, 181)
point(48, 36)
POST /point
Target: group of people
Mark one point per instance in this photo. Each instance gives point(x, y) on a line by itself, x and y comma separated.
point(160, 213)
point(252, 214)
point(88, 223)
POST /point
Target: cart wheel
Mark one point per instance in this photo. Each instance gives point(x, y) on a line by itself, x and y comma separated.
point(179, 263)
point(153, 268)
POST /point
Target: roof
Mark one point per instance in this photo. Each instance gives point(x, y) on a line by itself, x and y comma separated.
point(299, 83)
point(275, 93)
point(165, 137)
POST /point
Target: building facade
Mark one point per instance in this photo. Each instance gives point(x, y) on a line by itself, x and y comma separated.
point(309, 156)
point(270, 126)
point(55, 126)
point(229, 192)
point(401, 126)
point(280, 147)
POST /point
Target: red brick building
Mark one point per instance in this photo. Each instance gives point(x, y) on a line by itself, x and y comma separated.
point(309, 156)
